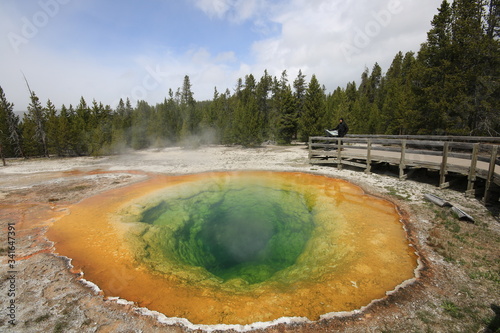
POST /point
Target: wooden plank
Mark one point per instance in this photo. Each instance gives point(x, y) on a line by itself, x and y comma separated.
point(352, 147)
point(339, 150)
point(385, 159)
point(329, 161)
point(491, 173)
point(463, 170)
point(310, 147)
point(462, 145)
point(444, 164)
point(331, 153)
point(368, 157)
point(427, 143)
point(321, 145)
point(336, 161)
point(355, 164)
point(385, 148)
point(319, 161)
point(402, 164)
point(472, 171)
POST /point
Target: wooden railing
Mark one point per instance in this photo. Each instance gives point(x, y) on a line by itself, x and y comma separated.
point(470, 156)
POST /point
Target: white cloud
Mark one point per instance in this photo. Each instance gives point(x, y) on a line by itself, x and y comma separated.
point(226, 57)
point(214, 8)
point(336, 40)
point(156, 74)
point(312, 36)
point(61, 79)
point(236, 11)
point(246, 9)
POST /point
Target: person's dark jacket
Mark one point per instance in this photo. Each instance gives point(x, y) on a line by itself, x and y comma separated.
point(342, 128)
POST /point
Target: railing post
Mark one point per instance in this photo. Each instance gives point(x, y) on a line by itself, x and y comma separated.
point(472, 171)
point(402, 164)
point(339, 153)
point(444, 162)
point(491, 172)
point(368, 156)
point(310, 148)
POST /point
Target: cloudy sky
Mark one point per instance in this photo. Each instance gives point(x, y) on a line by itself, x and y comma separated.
point(107, 50)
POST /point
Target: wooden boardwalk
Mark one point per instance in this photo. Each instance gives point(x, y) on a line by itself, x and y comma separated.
point(473, 157)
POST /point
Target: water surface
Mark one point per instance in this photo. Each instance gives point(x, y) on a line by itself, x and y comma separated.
point(239, 247)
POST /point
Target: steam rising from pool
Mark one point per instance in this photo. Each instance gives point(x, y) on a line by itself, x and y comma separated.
point(239, 231)
point(237, 248)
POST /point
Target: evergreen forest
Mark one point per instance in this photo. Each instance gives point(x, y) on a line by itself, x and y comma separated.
point(451, 86)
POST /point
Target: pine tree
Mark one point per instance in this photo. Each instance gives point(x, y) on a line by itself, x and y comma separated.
point(264, 106)
point(434, 90)
point(488, 88)
point(100, 129)
point(36, 126)
point(493, 20)
point(96, 114)
point(52, 126)
point(74, 143)
point(31, 146)
point(476, 29)
point(375, 82)
point(225, 117)
point(311, 122)
point(393, 96)
point(140, 121)
point(15, 134)
point(216, 118)
point(127, 121)
point(299, 85)
point(4, 128)
point(287, 125)
point(81, 128)
point(38, 116)
point(64, 132)
point(10, 134)
point(365, 115)
point(468, 60)
point(158, 125)
point(361, 107)
point(337, 107)
point(209, 117)
point(118, 128)
point(457, 81)
point(279, 90)
point(187, 105)
point(174, 116)
point(248, 120)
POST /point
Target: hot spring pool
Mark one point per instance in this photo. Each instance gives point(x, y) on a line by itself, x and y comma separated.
point(239, 247)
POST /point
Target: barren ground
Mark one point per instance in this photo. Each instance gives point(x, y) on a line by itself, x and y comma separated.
point(458, 289)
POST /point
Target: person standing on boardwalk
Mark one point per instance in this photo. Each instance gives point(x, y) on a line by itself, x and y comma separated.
point(341, 128)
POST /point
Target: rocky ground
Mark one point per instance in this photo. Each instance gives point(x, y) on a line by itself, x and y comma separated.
point(457, 289)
